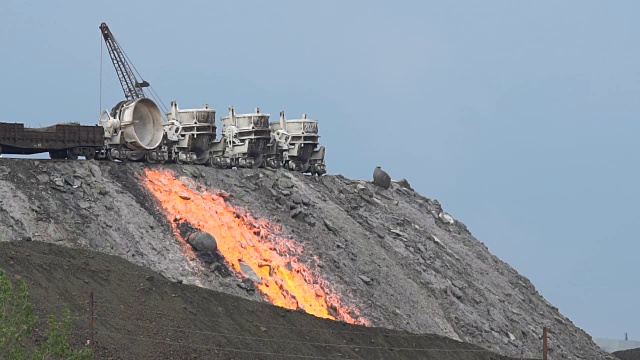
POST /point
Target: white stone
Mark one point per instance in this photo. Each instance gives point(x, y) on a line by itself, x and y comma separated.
point(446, 218)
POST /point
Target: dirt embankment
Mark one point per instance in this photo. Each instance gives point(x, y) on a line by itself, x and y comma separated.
point(395, 255)
point(139, 314)
point(632, 354)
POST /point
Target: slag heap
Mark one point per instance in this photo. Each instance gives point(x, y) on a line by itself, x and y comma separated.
point(251, 247)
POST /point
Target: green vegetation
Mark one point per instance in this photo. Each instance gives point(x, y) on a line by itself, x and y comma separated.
point(18, 321)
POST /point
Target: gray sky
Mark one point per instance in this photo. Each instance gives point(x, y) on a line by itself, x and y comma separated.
point(520, 117)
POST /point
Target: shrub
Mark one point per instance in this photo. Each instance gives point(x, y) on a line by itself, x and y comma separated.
point(17, 322)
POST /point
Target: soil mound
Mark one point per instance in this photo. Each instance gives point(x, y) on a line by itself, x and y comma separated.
point(139, 314)
point(631, 354)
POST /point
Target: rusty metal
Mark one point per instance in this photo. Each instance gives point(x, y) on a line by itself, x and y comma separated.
point(58, 139)
point(91, 318)
point(545, 348)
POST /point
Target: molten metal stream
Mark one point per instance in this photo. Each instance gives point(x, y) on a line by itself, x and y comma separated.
point(286, 281)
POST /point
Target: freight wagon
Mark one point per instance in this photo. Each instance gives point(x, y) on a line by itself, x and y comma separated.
point(61, 141)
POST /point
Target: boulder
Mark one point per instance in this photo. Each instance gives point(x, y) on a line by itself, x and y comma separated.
point(381, 178)
point(296, 212)
point(330, 226)
point(247, 284)
point(202, 241)
point(364, 191)
point(446, 218)
point(249, 272)
point(366, 279)
point(398, 233)
point(405, 184)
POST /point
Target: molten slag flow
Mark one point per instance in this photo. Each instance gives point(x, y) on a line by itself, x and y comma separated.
point(285, 280)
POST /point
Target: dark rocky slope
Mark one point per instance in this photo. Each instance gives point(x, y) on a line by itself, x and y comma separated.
point(394, 254)
point(631, 354)
point(141, 315)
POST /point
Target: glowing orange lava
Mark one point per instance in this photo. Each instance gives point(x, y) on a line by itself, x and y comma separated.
point(286, 281)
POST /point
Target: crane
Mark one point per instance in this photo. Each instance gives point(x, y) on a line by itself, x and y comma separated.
point(130, 133)
point(133, 89)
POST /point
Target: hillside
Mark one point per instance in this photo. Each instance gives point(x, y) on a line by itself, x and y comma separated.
point(141, 315)
point(389, 258)
point(631, 354)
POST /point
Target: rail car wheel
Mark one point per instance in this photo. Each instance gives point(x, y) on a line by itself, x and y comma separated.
point(111, 156)
point(136, 155)
point(71, 155)
point(305, 168)
point(258, 162)
point(90, 155)
point(149, 158)
point(294, 166)
point(272, 163)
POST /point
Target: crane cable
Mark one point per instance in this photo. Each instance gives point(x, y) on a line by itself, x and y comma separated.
point(101, 57)
point(152, 90)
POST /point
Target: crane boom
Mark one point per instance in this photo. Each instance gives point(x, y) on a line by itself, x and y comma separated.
point(130, 86)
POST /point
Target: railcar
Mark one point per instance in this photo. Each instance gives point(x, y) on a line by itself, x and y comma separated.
point(61, 141)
